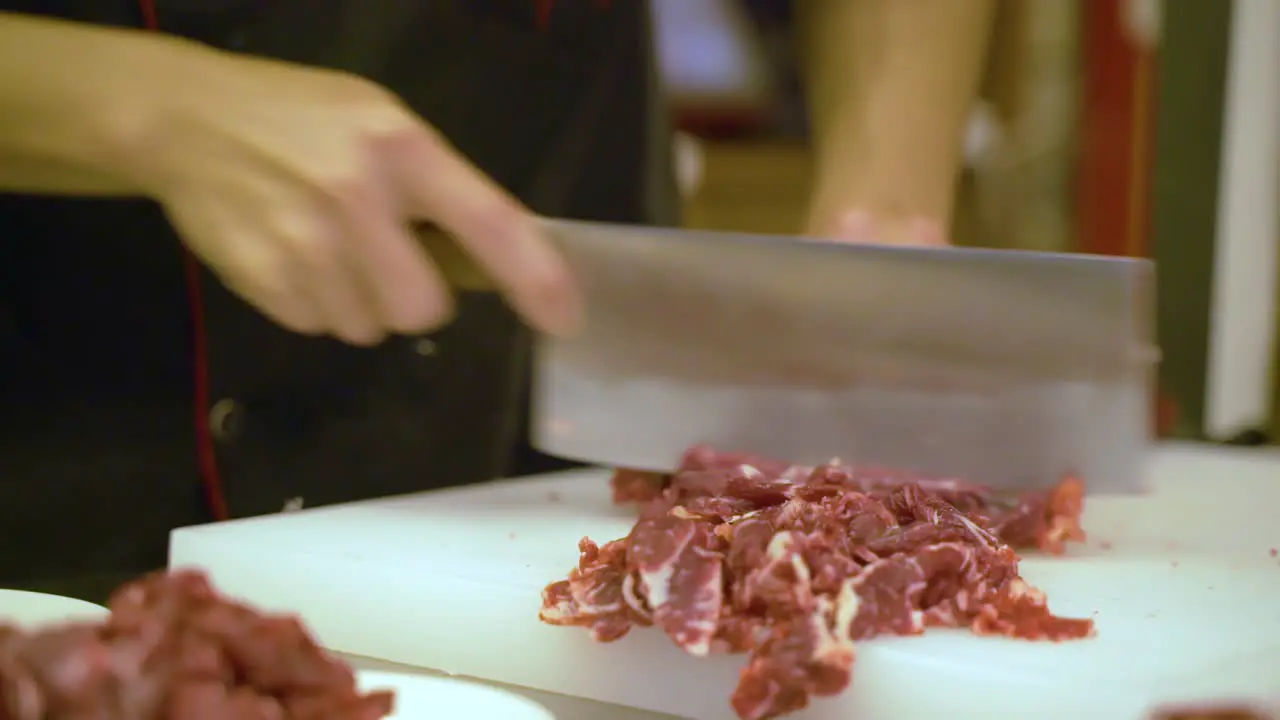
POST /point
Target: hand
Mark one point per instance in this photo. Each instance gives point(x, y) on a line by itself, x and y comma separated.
point(298, 186)
point(858, 226)
point(891, 199)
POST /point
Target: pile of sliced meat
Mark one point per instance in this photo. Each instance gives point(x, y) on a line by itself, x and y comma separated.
point(794, 565)
point(173, 648)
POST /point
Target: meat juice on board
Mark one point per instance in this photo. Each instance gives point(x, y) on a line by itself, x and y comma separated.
point(793, 565)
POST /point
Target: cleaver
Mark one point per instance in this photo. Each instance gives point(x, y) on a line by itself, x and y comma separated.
point(1006, 368)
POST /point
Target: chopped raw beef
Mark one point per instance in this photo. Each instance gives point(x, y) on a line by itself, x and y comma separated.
point(792, 565)
point(172, 648)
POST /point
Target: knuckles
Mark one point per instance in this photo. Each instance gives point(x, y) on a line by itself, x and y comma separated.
point(303, 235)
point(354, 162)
point(346, 190)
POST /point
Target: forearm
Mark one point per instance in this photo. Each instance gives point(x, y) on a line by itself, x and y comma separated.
point(74, 102)
point(891, 84)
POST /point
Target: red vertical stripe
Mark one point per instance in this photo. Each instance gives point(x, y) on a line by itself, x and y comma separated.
point(206, 454)
point(1115, 133)
point(542, 11)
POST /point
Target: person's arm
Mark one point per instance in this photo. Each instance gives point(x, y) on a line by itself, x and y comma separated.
point(74, 100)
point(296, 186)
point(891, 84)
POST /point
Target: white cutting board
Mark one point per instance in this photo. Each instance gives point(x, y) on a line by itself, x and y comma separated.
point(1182, 584)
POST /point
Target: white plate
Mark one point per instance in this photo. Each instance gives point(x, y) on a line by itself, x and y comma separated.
point(423, 697)
point(29, 609)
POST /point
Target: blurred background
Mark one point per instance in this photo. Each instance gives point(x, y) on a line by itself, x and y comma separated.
point(1126, 127)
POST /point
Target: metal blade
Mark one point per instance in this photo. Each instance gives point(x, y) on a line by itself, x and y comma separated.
point(1008, 368)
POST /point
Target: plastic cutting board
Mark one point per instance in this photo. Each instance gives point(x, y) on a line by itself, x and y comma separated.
point(1183, 585)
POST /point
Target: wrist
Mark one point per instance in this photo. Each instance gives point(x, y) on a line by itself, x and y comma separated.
point(137, 126)
point(75, 102)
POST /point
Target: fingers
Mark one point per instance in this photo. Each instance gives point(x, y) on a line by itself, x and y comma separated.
point(305, 268)
point(361, 270)
point(339, 258)
point(501, 235)
point(318, 250)
point(274, 294)
point(859, 226)
point(927, 232)
point(856, 227)
point(408, 292)
point(251, 266)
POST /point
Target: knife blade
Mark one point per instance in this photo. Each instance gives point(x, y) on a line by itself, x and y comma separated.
point(1009, 368)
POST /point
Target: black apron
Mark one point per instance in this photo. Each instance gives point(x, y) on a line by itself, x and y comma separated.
point(97, 441)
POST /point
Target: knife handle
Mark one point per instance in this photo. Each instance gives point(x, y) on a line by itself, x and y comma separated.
point(457, 267)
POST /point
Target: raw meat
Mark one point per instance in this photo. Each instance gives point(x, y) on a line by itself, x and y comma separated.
point(792, 565)
point(173, 648)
